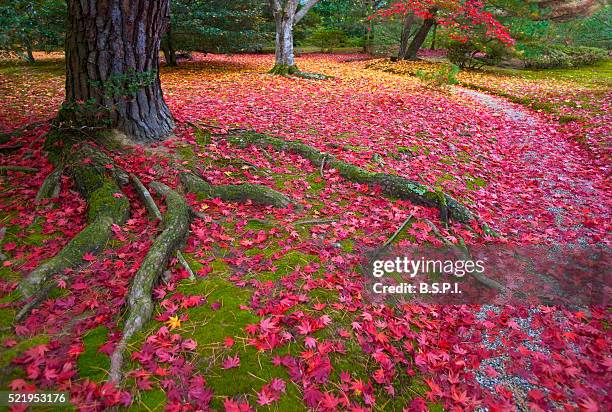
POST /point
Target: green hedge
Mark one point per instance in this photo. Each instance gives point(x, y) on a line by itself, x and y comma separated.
point(558, 56)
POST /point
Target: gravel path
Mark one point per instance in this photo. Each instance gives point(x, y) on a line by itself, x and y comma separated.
point(557, 167)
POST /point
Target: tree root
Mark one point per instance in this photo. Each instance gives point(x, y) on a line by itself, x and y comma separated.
point(153, 210)
point(107, 206)
point(7, 137)
point(391, 185)
point(286, 70)
point(24, 169)
point(258, 194)
point(51, 186)
point(140, 305)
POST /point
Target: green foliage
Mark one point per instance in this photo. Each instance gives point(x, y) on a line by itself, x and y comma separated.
point(26, 26)
point(327, 39)
point(446, 76)
point(546, 56)
point(216, 26)
point(124, 84)
point(474, 55)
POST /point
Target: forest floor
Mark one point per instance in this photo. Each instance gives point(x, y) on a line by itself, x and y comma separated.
point(276, 318)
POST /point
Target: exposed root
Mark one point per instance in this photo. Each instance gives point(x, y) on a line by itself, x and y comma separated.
point(140, 304)
point(311, 76)
point(397, 232)
point(107, 206)
point(51, 186)
point(284, 69)
point(314, 222)
point(258, 194)
point(24, 169)
point(6, 137)
point(145, 197)
point(153, 210)
point(391, 185)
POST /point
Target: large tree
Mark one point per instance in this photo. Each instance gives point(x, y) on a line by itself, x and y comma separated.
point(286, 16)
point(112, 66)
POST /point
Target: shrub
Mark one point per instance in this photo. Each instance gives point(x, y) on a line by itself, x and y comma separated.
point(472, 55)
point(328, 39)
point(559, 56)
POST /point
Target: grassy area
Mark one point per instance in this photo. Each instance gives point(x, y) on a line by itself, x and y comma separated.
point(595, 76)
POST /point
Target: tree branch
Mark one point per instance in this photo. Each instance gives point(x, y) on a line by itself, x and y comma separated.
point(303, 10)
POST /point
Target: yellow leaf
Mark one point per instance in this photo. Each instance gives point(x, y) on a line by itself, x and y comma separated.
point(173, 322)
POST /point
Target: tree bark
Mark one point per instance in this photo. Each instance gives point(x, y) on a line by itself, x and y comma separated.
point(112, 61)
point(419, 39)
point(284, 59)
point(286, 15)
point(405, 38)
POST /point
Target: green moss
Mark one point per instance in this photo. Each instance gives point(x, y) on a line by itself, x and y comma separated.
point(149, 401)
point(347, 245)
point(352, 172)
point(91, 363)
point(291, 260)
point(202, 137)
point(474, 183)
point(8, 354)
point(104, 203)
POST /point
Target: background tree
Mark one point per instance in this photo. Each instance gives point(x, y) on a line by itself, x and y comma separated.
point(460, 17)
point(214, 26)
point(112, 66)
point(26, 26)
point(286, 16)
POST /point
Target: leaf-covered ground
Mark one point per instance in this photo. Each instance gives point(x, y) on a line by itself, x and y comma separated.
point(276, 319)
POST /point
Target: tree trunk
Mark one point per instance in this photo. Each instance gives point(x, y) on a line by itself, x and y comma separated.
point(433, 37)
point(169, 51)
point(419, 39)
point(405, 39)
point(112, 63)
point(284, 58)
point(30, 54)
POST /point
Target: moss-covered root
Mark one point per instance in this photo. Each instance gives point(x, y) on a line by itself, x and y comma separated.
point(107, 206)
point(284, 69)
point(50, 188)
point(392, 185)
point(140, 305)
point(258, 194)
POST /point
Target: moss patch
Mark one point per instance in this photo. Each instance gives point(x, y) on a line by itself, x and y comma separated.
point(91, 363)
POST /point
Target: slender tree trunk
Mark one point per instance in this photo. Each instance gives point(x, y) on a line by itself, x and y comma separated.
point(405, 39)
point(284, 62)
point(169, 50)
point(112, 59)
point(419, 39)
point(433, 37)
point(30, 54)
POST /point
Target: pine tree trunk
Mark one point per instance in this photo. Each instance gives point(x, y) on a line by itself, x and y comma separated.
point(112, 59)
point(419, 39)
point(405, 39)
